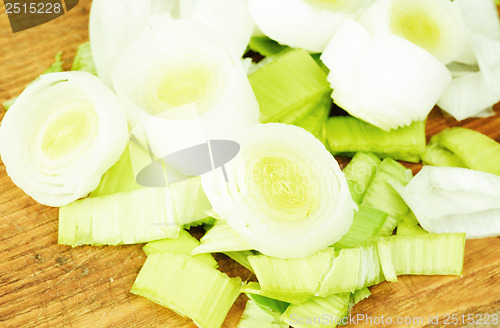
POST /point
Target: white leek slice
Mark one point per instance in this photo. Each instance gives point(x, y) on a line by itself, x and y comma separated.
point(61, 135)
point(188, 287)
point(256, 317)
point(384, 80)
point(296, 23)
point(318, 312)
point(292, 280)
point(446, 199)
point(229, 20)
point(434, 25)
point(180, 80)
point(286, 195)
point(221, 238)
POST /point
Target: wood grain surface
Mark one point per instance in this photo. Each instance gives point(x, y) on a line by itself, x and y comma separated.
point(43, 284)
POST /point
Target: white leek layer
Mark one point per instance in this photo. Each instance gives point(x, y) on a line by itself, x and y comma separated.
point(228, 19)
point(434, 25)
point(286, 195)
point(446, 199)
point(471, 93)
point(62, 134)
point(383, 79)
point(296, 23)
point(182, 85)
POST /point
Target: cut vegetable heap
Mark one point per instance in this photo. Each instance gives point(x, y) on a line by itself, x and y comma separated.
point(286, 194)
point(61, 135)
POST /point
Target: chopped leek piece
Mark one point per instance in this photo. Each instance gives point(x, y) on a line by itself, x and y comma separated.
point(475, 150)
point(269, 304)
point(412, 79)
point(438, 156)
point(83, 59)
point(382, 196)
point(206, 222)
point(315, 121)
point(183, 244)
point(293, 280)
point(299, 23)
point(366, 224)
point(119, 178)
point(270, 195)
point(265, 46)
point(384, 249)
point(360, 295)
point(241, 258)
point(256, 317)
point(318, 312)
point(405, 229)
point(188, 287)
point(352, 269)
point(55, 67)
point(427, 254)
point(347, 135)
point(76, 131)
point(452, 199)
point(292, 80)
point(221, 238)
point(359, 174)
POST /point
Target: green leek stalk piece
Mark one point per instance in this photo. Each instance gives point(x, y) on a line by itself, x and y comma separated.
point(426, 254)
point(288, 87)
point(241, 258)
point(347, 135)
point(360, 295)
point(55, 67)
point(269, 304)
point(315, 121)
point(470, 149)
point(318, 312)
point(382, 196)
point(188, 287)
point(437, 156)
point(183, 244)
point(359, 174)
point(83, 59)
point(353, 269)
point(293, 280)
point(405, 229)
point(265, 46)
point(366, 224)
point(256, 317)
point(221, 238)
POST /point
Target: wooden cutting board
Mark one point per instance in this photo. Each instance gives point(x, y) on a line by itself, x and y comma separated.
point(43, 284)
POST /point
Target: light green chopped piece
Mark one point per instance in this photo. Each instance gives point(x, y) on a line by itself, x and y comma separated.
point(438, 156)
point(385, 253)
point(265, 46)
point(83, 59)
point(292, 280)
point(188, 287)
point(347, 135)
point(405, 229)
point(241, 258)
point(315, 121)
point(221, 238)
point(359, 174)
point(256, 317)
point(269, 304)
point(318, 312)
point(183, 244)
point(360, 295)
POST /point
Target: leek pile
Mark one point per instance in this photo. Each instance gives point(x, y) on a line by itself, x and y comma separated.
point(161, 77)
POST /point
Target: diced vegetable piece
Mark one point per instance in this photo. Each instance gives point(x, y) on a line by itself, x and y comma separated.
point(294, 280)
point(385, 253)
point(353, 269)
point(269, 304)
point(405, 229)
point(347, 135)
point(188, 287)
point(359, 174)
point(221, 238)
point(360, 295)
point(183, 244)
point(241, 258)
point(474, 149)
point(427, 254)
point(366, 224)
point(318, 312)
point(292, 80)
point(439, 156)
point(256, 317)
point(83, 59)
point(265, 46)
point(315, 121)
point(382, 196)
